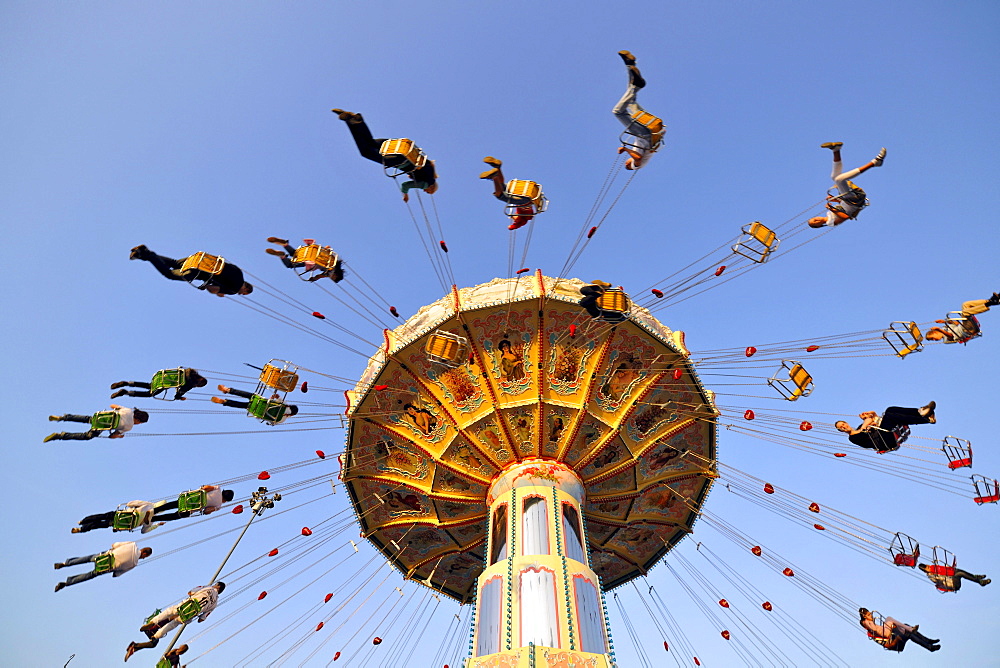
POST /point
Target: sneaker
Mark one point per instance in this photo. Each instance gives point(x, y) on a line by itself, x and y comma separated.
point(276, 240)
point(274, 251)
point(635, 78)
point(55, 418)
point(627, 57)
point(119, 393)
point(60, 585)
point(490, 160)
point(832, 145)
point(138, 253)
point(489, 174)
point(52, 437)
point(880, 158)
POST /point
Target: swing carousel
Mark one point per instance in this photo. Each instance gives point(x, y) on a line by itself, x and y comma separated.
point(501, 421)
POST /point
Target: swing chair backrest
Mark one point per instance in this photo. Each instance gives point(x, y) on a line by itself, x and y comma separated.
point(958, 451)
point(652, 123)
point(281, 379)
point(188, 610)
point(104, 563)
point(855, 198)
point(904, 555)
point(967, 325)
point(894, 643)
point(404, 148)
point(525, 193)
point(900, 434)
point(321, 256)
point(192, 501)
point(166, 379)
point(200, 268)
point(614, 300)
point(268, 411)
point(757, 243)
point(904, 337)
point(447, 348)
point(125, 520)
point(105, 420)
point(799, 382)
point(987, 491)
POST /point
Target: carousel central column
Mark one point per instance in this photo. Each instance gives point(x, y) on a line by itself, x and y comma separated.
point(538, 602)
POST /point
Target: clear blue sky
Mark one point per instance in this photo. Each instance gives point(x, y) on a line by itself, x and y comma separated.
point(190, 126)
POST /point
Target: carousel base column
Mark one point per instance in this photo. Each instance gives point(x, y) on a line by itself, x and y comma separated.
point(540, 657)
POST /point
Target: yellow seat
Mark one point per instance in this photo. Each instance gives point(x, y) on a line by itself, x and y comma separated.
point(203, 262)
point(321, 256)
point(521, 194)
point(757, 242)
point(797, 383)
point(904, 337)
point(614, 300)
point(283, 379)
point(406, 149)
point(652, 123)
point(446, 347)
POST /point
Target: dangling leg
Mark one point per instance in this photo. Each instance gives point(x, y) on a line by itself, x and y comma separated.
point(977, 306)
point(131, 393)
point(165, 265)
point(70, 418)
point(981, 580)
point(841, 179)
point(71, 436)
point(496, 175)
point(589, 301)
point(78, 561)
point(98, 521)
point(77, 579)
point(367, 145)
point(897, 415)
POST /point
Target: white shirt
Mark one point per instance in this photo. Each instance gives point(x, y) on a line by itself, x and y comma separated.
point(208, 598)
point(126, 420)
point(213, 499)
point(126, 557)
point(145, 511)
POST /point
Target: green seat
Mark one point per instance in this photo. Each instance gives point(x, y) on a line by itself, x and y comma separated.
point(105, 420)
point(125, 520)
point(104, 563)
point(188, 610)
point(166, 379)
point(191, 501)
point(266, 410)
